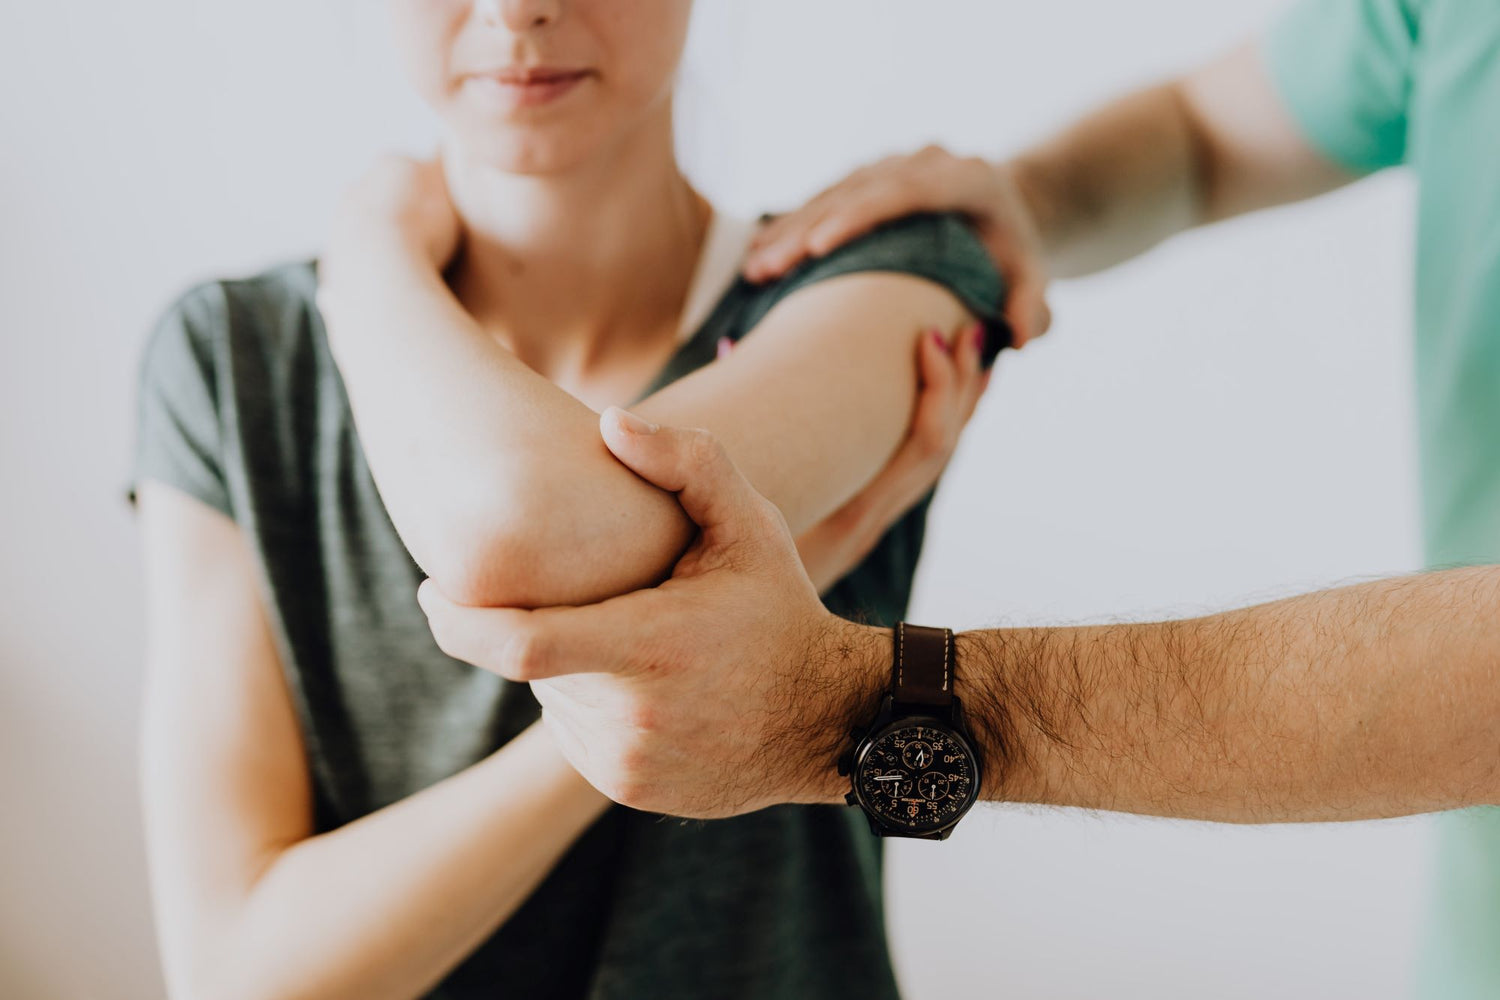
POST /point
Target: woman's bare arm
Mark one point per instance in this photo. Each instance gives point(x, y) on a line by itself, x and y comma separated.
point(496, 478)
point(249, 902)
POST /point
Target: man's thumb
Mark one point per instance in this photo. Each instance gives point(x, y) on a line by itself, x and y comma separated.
point(690, 463)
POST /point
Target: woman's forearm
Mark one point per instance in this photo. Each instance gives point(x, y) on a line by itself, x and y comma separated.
point(384, 907)
point(477, 457)
point(497, 479)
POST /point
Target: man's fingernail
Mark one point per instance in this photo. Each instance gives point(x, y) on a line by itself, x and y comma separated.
point(632, 423)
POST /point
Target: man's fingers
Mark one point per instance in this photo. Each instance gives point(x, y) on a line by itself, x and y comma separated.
point(1028, 314)
point(550, 642)
point(848, 212)
point(784, 245)
point(1026, 309)
point(564, 722)
point(573, 749)
point(859, 212)
point(1026, 300)
point(930, 180)
point(690, 463)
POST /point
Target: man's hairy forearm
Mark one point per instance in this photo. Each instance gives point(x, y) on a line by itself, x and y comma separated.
point(1212, 144)
point(1368, 701)
point(1114, 184)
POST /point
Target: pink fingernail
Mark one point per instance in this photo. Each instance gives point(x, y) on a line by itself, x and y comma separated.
point(725, 345)
point(977, 333)
point(937, 338)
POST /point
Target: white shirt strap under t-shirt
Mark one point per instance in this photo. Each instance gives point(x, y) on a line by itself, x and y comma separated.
point(724, 247)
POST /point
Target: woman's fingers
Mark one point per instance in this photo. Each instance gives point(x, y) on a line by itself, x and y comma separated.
point(937, 390)
point(949, 381)
point(972, 378)
point(981, 385)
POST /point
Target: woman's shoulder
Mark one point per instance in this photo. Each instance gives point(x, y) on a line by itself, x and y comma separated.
point(271, 305)
point(940, 247)
point(221, 363)
point(259, 326)
point(254, 341)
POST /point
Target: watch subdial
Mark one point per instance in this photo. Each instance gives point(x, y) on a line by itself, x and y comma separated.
point(933, 786)
point(896, 784)
point(917, 755)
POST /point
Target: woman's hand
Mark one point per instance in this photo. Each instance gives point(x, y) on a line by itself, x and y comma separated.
point(932, 180)
point(951, 384)
point(400, 206)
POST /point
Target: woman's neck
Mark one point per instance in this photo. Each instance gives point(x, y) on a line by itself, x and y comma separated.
point(572, 269)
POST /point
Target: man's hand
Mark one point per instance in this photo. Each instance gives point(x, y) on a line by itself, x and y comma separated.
point(932, 180)
point(726, 689)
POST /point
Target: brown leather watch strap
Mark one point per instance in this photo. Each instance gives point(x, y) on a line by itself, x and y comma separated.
point(922, 673)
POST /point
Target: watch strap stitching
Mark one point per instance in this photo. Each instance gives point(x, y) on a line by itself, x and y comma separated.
point(900, 654)
point(947, 656)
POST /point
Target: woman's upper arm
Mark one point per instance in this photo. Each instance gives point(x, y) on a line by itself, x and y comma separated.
point(810, 407)
point(813, 404)
point(224, 778)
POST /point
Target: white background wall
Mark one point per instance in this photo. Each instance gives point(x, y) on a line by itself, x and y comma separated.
point(1225, 420)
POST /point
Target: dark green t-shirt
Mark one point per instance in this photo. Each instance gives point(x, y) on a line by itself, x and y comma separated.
point(241, 406)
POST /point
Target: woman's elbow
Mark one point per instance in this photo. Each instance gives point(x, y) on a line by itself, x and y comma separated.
point(560, 555)
point(492, 564)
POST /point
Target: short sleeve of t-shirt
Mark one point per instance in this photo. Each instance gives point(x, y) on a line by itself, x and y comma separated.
point(938, 247)
point(1344, 70)
point(178, 439)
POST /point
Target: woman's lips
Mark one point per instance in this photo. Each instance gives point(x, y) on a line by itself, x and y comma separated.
point(527, 88)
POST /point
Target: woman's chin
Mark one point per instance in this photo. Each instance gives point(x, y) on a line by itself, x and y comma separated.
point(523, 156)
point(529, 151)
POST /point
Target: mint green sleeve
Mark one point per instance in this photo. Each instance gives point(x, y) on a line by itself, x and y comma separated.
point(1344, 69)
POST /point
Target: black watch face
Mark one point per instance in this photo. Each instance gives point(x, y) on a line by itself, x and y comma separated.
point(918, 776)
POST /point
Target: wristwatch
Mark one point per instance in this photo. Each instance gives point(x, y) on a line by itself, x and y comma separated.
point(914, 769)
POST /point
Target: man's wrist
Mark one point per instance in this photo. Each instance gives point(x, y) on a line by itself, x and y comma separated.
point(852, 664)
point(979, 683)
point(1030, 180)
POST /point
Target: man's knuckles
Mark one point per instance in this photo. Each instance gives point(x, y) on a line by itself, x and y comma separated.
point(526, 655)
